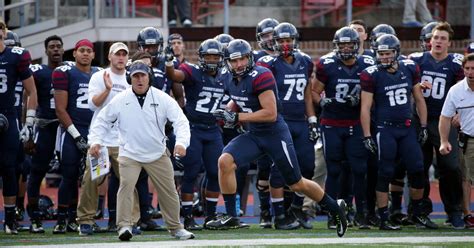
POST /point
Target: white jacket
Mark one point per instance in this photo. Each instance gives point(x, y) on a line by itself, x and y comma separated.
point(141, 130)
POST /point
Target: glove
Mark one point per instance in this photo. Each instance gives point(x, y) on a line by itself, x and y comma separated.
point(169, 54)
point(178, 163)
point(423, 135)
point(352, 100)
point(325, 102)
point(81, 144)
point(369, 144)
point(27, 133)
point(229, 118)
point(313, 129)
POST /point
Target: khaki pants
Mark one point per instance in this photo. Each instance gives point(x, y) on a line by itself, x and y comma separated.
point(162, 176)
point(319, 174)
point(89, 195)
point(467, 161)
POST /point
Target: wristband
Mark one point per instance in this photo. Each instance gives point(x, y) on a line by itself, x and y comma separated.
point(30, 117)
point(312, 119)
point(169, 63)
point(73, 131)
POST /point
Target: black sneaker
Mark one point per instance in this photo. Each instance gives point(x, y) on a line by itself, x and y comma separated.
point(340, 218)
point(424, 222)
point(388, 226)
point(10, 228)
point(36, 226)
point(301, 217)
point(208, 219)
point(190, 224)
point(225, 222)
point(150, 225)
point(361, 220)
point(283, 222)
point(265, 219)
point(350, 215)
point(397, 217)
point(59, 228)
point(72, 226)
point(373, 219)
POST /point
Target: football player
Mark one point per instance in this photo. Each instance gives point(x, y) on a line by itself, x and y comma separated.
point(439, 71)
point(253, 89)
point(389, 86)
point(47, 125)
point(70, 84)
point(338, 75)
point(176, 42)
point(203, 96)
point(265, 38)
point(361, 28)
point(14, 65)
point(224, 39)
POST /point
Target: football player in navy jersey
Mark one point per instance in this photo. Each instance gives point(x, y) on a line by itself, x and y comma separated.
point(177, 43)
point(47, 125)
point(203, 96)
point(389, 86)
point(70, 84)
point(12, 40)
point(253, 89)
point(14, 63)
point(378, 31)
point(264, 33)
point(425, 36)
point(338, 75)
point(439, 71)
point(265, 38)
point(293, 73)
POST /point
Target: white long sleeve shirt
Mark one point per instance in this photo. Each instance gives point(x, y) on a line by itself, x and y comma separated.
point(141, 129)
point(96, 87)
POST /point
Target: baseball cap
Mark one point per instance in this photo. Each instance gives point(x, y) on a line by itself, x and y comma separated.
point(117, 46)
point(138, 67)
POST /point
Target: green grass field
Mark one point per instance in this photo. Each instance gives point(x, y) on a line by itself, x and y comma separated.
point(319, 231)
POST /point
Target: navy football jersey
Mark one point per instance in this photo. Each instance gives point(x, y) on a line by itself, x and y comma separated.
point(392, 91)
point(203, 94)
point(339, 81)
point(259, 54)
point(14, 63)
point(291, 82)
point(44, 89)
point(245, 94)
point(441, 74)
point(76, 83)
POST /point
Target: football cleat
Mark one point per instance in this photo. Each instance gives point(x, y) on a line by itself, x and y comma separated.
point(72, 226)
point(265, 219)
point(10, 228)
point(36, 226)
point(150, 225)
point(424, 222)
point(283, 222)
point(190, 224)
point(397, 217)
point(340, 218)
point(301, 217)
point(225, 222)
point(59, 228)
point(387, 226)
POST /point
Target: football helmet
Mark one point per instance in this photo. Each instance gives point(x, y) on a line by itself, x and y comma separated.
point(347, 36)
point(12, 39)
point(151, 36)
point(236, 49)
point(387, 42)
point(46, 208)
point(425, 36)
point(285, 30)
point(3, 123)
point(224, 39)
point(210, 46)
point(265, 33)
point(379, 30)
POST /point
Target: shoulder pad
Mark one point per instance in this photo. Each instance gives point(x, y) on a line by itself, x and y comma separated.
point(415, 55)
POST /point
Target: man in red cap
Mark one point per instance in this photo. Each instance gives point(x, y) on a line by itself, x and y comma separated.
point(70, 84)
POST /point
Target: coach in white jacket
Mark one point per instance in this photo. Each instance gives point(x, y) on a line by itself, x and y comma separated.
point(141, 113)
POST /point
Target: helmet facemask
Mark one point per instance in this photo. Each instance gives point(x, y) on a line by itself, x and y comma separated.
point(266, 41)
point(211, 66)
point(239, 72)
point(386, 62)
point(346, 50)
point(287, 49)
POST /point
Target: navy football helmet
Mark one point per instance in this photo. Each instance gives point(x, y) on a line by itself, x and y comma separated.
point(150, 36)
point(12, 39)
point(211, 46)
point(348, 36)
point(224, 39)
point(285, 30)
point(387, 42)
point(46, 208)
point(236, 49)
point(265, 33)
point(425, 36)
point(378, 31)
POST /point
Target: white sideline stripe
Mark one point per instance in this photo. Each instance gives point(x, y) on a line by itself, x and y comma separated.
point(256, 242)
